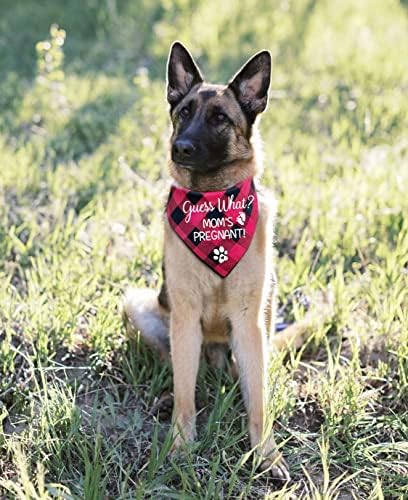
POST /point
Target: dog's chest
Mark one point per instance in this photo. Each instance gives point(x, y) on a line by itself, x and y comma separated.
point(190, 281)
point(214, 318)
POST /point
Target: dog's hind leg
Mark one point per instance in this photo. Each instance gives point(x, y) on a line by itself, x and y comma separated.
point(146, 312)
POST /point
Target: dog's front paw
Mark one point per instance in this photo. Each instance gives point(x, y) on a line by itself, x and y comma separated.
point(181, 438)
point(277, 466)
point(178, 444)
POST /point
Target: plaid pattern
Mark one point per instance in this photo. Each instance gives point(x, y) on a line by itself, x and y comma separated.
point(217, 226)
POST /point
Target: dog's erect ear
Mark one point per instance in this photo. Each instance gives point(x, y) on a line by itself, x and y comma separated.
point(250, 85)
point(182, 73)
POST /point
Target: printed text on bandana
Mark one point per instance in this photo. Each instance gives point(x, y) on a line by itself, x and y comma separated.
point(218, 227)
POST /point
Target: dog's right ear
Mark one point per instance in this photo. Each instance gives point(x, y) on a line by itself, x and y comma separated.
point(182, 74)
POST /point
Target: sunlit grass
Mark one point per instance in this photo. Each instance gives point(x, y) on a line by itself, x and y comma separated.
point(83, 183)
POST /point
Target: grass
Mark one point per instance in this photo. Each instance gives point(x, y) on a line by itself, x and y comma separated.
point(83, 131)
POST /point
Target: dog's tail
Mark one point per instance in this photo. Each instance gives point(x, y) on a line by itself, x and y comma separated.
point(142, 312)
point(319, 310)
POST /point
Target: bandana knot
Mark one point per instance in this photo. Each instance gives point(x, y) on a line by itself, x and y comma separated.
point(217, 226)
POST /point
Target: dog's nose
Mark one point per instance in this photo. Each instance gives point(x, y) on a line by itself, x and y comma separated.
point(183, 149)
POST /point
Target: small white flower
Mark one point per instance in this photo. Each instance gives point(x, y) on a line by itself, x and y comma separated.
point(220, 254)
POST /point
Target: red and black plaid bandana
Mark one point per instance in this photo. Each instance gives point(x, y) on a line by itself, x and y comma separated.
point(218, 226)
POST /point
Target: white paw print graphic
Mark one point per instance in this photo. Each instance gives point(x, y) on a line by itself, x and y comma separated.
point(241, 218)
point(220, 254)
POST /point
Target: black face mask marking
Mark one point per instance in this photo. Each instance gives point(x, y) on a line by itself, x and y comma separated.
point(212, 124)
point(202, 134)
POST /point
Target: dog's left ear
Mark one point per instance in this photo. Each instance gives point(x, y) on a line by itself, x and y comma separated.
point(182, 73)
point(250, 85)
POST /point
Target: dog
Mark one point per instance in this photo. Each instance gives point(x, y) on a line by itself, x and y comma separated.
point(211, 296)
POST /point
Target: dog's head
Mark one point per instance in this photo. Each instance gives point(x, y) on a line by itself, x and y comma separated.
point(212, 124)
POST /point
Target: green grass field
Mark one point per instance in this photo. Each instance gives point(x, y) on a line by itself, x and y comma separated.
point(83, 180)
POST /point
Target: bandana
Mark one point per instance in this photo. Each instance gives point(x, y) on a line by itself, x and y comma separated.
point(217, 226)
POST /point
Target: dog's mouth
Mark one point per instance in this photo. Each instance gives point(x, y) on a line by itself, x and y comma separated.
point(185, 165)
point(198, 167)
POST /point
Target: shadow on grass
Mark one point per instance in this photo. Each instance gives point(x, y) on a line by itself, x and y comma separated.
point(25, 22)
point(89, 127)
point(97, 31)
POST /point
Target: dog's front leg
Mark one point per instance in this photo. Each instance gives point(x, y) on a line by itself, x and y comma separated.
point(185, 342)
point(250, 350)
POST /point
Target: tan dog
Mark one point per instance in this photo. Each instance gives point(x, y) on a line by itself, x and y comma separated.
point(212, 149)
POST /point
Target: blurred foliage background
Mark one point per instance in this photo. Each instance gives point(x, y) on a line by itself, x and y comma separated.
point(83, 179)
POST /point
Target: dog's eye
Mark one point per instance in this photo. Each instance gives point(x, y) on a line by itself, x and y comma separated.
point(185, 112)
point(220, 118)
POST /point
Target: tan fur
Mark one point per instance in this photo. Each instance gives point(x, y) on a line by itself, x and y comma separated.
point(203, 309)
point(203, 305)
point(194, 293)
